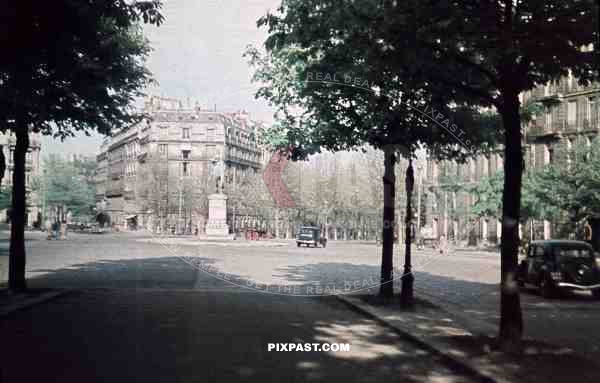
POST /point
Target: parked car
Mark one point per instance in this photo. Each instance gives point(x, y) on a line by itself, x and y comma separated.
point(553, 266)
point(310, 236)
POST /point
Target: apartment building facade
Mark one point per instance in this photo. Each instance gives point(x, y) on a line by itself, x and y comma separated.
point(157, 174)
point(32, 171)
point(570, 117)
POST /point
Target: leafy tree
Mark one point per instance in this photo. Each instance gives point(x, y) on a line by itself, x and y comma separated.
point(490, 52)
point(75, 66)
point(571, 184)
point(5, 195)
point(534, 204)
point(65, 183)
point(488, 194)
point(337, 85)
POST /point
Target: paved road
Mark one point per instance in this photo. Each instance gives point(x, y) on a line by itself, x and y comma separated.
point(465, 281)
point(149, 335)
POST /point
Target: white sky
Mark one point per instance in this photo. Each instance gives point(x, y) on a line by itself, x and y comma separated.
point(198, 55)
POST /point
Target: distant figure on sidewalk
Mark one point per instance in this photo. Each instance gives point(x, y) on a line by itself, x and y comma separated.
point(443, 245)
point(48, 226)
point(63, 231)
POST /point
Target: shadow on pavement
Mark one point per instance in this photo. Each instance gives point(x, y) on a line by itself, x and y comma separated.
point(540, 361)
point(163, 273)
point(201, 336)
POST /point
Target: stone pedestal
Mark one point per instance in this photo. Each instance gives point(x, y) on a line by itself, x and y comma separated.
point(217, 216)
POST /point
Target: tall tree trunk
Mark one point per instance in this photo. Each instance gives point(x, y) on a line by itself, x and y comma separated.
point(16, 269)
point(511, 321)
point(2, 164)
point(406, 294)
point(595, 235)
point(387, 233)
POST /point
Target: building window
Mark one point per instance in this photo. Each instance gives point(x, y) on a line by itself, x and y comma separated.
point(569, 146)
point(572, 113)
point(547, 90)
point(548, 154)
point(185, 169)
point(472, 170)
point(592, 110)
point(186, 132)
point(162, 148)
point(185, 154)
point(570, 79)
point(549, 120)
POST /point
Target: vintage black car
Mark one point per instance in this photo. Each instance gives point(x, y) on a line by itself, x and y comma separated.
point(310, 236)
point(553, 266)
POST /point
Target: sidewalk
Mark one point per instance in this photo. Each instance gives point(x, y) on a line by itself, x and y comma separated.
point(470, 343)
point(11, 302)
point(140, 335)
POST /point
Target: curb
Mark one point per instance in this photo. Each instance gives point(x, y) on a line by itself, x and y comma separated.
point(27, 303)
point(460, 364)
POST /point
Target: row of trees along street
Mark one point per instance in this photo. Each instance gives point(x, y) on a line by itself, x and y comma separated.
point(457, 58)
point(64, 184)
point(80, 65)
point(337, 191)
point(565, 192)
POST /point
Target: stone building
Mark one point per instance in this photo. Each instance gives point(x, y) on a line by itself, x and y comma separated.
point(32, 169)
point(157, 174)
point(571, 117)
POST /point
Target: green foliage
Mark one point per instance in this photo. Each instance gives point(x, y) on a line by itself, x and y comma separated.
point(67, 183)
point(345, 94)
point(537, 200)
point(488, 194)
point(5, 197)
point(572, 183)
point(80, 63)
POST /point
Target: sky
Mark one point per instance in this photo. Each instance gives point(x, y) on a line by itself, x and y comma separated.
point(198, 55)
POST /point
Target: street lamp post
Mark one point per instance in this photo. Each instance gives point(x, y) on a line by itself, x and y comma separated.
point(406, 292)
point(419, 187)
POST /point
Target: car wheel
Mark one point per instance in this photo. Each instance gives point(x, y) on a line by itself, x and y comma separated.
point(546, 288)
point(596, 293)
point(298, 243)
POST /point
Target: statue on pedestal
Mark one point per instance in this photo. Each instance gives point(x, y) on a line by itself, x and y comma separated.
point(216, 226)
point(217, 172)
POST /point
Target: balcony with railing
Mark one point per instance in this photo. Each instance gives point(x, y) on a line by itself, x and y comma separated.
point(195, 157)
point(542, 129)
point(591, 125)
point(249, 160)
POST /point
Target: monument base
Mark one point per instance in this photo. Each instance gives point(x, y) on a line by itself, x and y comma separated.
point(216, 229)
point(217, 226)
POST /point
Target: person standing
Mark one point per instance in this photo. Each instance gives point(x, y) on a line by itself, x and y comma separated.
point(48, 226)
point(443, 245)
point(55, 229)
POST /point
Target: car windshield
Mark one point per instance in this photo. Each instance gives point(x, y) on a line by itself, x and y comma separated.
point(572, 252)
point(306, 231)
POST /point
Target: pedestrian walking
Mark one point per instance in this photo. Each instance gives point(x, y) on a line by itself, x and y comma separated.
point(443, 245)
point(55, 229)
point(48, 226)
